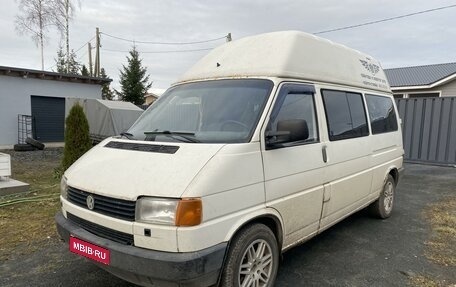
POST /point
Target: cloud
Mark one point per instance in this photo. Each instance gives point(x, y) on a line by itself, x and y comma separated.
point(422, 39)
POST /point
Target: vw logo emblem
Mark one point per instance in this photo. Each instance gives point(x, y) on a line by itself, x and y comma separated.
point(90, 202)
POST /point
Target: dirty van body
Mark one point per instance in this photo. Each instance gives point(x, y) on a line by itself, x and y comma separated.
point(266, 142)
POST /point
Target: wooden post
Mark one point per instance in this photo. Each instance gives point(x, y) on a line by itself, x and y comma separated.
point(90, 59)
point(97, 53)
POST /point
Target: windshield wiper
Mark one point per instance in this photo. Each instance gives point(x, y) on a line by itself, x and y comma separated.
point(127, 135)
point(175, 135)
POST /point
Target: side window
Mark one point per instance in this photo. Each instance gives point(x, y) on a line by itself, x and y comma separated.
point(293, 109)
point(345, 115)
point(381, 114)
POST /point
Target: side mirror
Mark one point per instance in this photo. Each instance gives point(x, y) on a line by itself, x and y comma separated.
point(288, 131)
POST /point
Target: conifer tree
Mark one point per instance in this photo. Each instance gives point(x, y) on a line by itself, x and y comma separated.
point(106, 93)
point(77, 137)
point(134, 80)
point(85, 71)
point(65, 67)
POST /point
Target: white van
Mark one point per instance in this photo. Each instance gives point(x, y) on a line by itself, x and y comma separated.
point(266, 142)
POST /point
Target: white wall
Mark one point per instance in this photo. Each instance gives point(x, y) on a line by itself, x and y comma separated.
point(445, 90)
point(449, 89)
point(15, 95)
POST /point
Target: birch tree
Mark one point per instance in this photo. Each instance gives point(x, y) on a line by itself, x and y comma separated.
point(35, 18)
point(63, 13)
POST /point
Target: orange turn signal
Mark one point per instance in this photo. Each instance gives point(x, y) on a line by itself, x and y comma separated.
point(189, 212)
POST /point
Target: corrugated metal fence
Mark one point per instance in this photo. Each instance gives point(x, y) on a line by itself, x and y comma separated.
point(429, 129)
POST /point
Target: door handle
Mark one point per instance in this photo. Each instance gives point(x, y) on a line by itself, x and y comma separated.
point(323, 152)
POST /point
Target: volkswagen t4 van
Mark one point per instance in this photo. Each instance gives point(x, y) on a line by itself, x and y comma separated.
point(264, 143)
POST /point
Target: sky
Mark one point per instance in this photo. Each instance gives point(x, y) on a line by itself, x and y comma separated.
point(423, 39)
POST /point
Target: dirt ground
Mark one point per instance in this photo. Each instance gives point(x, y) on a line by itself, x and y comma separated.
point(30, 224)
point(415, 247)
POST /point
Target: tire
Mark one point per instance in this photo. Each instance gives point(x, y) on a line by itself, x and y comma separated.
point(35, 143)
point(243, 248)
point(383, 207)
point(23, 147)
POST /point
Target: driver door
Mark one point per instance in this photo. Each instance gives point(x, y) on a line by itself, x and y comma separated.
point(294, 167)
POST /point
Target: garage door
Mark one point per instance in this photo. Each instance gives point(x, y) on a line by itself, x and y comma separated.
point(48, 118)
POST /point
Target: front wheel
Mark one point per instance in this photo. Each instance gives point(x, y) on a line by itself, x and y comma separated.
point(383, 207)
point(253, 258)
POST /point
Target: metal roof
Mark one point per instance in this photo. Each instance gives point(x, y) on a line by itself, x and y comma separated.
point(46, 75)
point(419, 75)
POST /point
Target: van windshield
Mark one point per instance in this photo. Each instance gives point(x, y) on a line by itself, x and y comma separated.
point(219, 111)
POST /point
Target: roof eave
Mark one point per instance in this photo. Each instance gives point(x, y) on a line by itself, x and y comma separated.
point(429, 86)
point(46, 75)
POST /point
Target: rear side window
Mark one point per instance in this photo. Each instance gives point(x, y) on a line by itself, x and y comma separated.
point(381, 114)
point(345, 115)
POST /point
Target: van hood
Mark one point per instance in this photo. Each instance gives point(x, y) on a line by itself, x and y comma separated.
point(130, 169)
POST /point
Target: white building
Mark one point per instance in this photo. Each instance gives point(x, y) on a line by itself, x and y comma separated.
point(32, 102)
point(153, 95)
point(428, 81)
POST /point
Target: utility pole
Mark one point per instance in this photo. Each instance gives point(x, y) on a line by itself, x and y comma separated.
point(228, 37)
point(97, 52)
point(90, 59)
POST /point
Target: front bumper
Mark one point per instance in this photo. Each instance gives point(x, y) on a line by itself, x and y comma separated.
point(150, 267)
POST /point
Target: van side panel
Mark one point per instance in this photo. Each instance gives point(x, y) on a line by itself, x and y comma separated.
point(387, 153)
point(348, 172)
point(294, 175)
point(293, 183)
point(349, 176)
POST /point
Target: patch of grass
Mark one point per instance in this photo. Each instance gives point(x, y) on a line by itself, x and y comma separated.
point(424, 281)
point(27, 226)
point(441, 248)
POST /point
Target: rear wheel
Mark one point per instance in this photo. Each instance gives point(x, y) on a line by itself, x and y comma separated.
point(383, 207)
point(253, 258)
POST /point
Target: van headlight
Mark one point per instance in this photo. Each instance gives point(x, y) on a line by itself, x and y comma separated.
point(64, 187)
point(167, 211)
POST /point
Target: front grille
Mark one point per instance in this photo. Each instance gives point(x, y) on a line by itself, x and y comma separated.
point(111, 234)
point(118, 208)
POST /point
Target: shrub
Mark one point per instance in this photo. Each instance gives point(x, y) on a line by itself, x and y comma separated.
point(77, 138)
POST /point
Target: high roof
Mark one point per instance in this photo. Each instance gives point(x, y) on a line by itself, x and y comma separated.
point(420, 75)
point(46, 75)
point(293, 55)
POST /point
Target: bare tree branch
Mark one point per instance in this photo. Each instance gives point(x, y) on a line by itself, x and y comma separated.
point(34, 18)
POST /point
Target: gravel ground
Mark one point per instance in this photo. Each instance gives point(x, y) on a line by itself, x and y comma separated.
point(35, 156)
point(359, 251)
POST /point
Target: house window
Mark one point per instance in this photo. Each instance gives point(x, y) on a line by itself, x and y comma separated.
point(424, 95)
point(398, 96)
